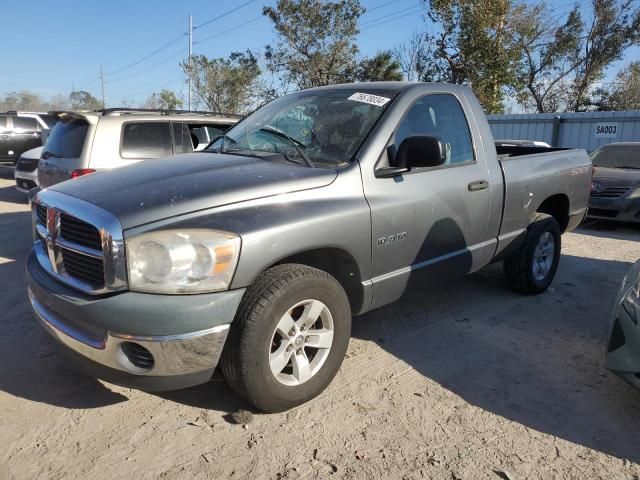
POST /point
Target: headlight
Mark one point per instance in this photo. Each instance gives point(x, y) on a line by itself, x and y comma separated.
point(182, 261)
point(634, 194)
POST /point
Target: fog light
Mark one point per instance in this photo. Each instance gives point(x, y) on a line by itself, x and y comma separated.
point(135, 358)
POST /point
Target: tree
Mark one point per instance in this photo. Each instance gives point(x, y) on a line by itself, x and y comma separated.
point(127, 103)
point(560, 62)
point(224, 84)
point(381, 67)
point(30, 101)
point(22, 100)
point(58, 102)
point(82, 100)
point(624, 93)
point(165, 100)
point(473, 46)
point(612, 29)
point(416, 58)
point(548, 55)
point(317, 41)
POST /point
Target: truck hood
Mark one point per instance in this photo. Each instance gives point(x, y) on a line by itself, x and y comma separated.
point(616, 177)
point(156, 189)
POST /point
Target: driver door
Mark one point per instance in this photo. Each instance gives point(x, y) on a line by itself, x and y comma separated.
point(429, 224)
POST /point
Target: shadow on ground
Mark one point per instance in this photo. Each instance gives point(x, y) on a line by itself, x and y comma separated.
point(30, 367)
point(609, 229)
point(543, 369)
point(215, 395)
point(11, 195)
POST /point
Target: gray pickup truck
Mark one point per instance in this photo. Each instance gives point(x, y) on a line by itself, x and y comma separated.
point(254, 254)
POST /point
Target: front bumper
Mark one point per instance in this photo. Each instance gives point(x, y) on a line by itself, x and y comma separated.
point(177, 339)
point(623, 348)
point(620, 209)
point(26, 181)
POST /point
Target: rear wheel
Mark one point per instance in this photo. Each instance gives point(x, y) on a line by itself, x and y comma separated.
point(532, 268)
point(289, 337)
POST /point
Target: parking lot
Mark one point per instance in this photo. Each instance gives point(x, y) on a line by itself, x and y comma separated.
point(467, 381)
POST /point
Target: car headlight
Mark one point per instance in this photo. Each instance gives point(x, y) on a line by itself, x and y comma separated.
point(182, 261)
point(634, 194)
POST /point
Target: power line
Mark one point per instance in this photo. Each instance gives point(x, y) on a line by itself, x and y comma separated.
point(89, 84)
point(161, 80)
point(369, 10)
point(228, 12)
point(386, 19)
point(165, 60)
point(166, 45)
point(229, 29)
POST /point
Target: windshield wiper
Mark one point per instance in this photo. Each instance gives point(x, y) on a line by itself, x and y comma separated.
point(293, 160)
point(630, 167)
point(48, 154)
point(296, 144)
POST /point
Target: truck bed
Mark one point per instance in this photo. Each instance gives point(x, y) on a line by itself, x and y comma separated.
point(531, 178)
point(516, 151)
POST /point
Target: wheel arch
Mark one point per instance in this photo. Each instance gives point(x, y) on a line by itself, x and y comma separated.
point(337, 262)
point(557, 206)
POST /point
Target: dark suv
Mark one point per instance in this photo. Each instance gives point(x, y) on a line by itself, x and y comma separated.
point(19, 132)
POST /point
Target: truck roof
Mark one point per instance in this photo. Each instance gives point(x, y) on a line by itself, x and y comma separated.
point(398, 86)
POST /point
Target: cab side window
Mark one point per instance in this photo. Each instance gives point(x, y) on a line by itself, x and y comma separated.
point(440, 116)
point(146, 140)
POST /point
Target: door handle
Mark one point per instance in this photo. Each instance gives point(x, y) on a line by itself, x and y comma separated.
point(478, 185)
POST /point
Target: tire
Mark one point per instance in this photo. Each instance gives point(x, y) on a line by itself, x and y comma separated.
point(256, 337)
point(520, 268)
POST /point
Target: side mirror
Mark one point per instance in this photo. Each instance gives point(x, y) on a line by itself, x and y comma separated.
point(420, 151)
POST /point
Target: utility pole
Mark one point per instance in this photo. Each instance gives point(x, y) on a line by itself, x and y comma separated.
point(102, 83)
point(190, 53)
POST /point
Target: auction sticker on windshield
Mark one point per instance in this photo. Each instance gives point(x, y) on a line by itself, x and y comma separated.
point(368, 98)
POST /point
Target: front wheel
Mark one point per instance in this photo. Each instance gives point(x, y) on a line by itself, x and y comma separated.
point(532, 268)
point(289, 337)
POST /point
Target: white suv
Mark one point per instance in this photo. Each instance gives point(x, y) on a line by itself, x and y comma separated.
point(85, 142)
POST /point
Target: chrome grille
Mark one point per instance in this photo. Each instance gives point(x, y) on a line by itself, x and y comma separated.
point(79, 243)
point(610, 192)
point(79, 232)
point(83, 267)
point(41, 212)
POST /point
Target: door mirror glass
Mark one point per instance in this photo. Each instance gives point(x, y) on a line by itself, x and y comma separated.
point(420, 151)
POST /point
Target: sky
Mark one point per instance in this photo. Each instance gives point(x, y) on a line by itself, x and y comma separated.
point(54, 46)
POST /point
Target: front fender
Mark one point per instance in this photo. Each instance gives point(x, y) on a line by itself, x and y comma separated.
point(335, 216)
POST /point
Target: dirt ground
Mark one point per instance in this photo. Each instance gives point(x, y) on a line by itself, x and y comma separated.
point(469, 381)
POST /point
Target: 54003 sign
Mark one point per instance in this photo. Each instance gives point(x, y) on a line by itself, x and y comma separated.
point(606, 130)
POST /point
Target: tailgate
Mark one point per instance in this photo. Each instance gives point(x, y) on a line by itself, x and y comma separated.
point(63, 152)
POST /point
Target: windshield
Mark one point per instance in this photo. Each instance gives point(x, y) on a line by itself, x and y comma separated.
point(318, 128)
point(66, 139)
point(617, 157)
